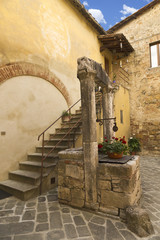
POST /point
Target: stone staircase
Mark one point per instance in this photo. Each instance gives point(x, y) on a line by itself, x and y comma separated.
point(24, 183)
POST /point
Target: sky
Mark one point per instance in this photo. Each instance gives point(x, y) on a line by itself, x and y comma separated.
point(110, 12)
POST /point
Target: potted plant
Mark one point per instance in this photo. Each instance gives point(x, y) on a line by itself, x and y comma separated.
point(65, 116)
point(134, 145)
point(114, 148)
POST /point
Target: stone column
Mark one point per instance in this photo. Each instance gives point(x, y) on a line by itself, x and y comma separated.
point(107, 101)
point(87, 82)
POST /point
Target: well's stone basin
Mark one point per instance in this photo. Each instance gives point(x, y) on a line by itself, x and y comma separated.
point(118, 185)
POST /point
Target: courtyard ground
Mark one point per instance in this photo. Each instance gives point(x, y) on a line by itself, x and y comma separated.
point(43, 218)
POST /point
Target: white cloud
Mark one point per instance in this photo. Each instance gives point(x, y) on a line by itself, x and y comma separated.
point(85, 3)
point(122, 18)
point(98, 15)
point(128, 10)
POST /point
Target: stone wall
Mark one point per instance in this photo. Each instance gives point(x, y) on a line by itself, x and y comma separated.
point(118, 186)
point(144, 80)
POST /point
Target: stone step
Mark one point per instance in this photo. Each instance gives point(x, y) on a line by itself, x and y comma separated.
point(36, 166)
point(24, 191)
point(52, 158)
point(63, 142)
point(47, 149)
point(78, 112)
point(67, 129)
point(26, 176)
point(62, 133)
point(70, 124)
point(76, 116)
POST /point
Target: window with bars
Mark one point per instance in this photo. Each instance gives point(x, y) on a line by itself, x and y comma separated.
point(155, 54)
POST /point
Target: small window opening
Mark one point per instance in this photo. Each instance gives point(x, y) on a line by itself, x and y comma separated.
point(155, 54)
point(121, 116)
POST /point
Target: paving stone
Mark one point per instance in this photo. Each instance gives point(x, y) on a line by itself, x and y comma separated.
point(52, 198)
point(111, 232)
point(30, 204)
point(9, 219)
point(42, 227)
point(120, 225)
point(20, 204)
point(41, 199)
point(65, 210)
point(41, 207)
point(128, 235)
point(97, 231)
point(70, 231)
point(6, 212)
point(16, 228)
point(75, 212)
point(53, 208)
point(66, 218)
point(98, 220)
point(29, 237)
point(5, 238)
point(42, 217)
point(55, 235)
point(9, 206)
point(55, 220)
point(78, 220)
point(19, 210)
point(87, 215)
point(83, 231)
point(155, 238)
point(29, 215)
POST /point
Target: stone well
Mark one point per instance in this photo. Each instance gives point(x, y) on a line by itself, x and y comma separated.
point(118, 185)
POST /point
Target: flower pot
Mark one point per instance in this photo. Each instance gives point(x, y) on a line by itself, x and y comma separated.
point(115, 155)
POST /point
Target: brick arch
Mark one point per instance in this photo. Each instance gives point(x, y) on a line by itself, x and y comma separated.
point(29, 69)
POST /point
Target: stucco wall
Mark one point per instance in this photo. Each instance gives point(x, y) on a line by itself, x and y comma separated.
point(145, 81)
point(121, 103)
point(50, 33)
point(25, 111)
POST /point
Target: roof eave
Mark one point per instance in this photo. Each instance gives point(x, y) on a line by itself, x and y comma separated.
point(80, 7)
point(132, 17)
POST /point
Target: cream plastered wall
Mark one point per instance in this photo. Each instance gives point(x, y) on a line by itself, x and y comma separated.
point(121, 102)
point(50, 33)
point(25, 111)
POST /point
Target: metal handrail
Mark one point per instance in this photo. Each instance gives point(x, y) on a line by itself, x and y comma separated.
point(68, 133)
point(58, 119)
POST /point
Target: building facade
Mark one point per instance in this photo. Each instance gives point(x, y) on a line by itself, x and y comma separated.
point(142, 29)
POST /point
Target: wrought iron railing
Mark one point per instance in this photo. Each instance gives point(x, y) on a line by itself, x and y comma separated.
point(74, 127)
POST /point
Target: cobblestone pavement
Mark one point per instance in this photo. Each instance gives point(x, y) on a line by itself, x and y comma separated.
point(43, 218)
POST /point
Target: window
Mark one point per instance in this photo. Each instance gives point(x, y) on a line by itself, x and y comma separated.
point(121, 116)
point(155, 54)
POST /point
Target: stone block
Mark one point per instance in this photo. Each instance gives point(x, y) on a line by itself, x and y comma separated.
point(104, 185)
point(76, 202)
point(77, 193)
point(138, 221)
point(109, 210)
point(74, 172)
point(73, 154)
point(115, 199)
point(76, 183)
point(60, 180)
point(64, 193)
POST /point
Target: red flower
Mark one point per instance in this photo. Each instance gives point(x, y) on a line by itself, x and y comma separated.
point(124, 142)
point(100, 146)
point(106, 140)
point(105, 137)
point(121, 140)
point(123, 137)
point(116, 139)
point(113, 137)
